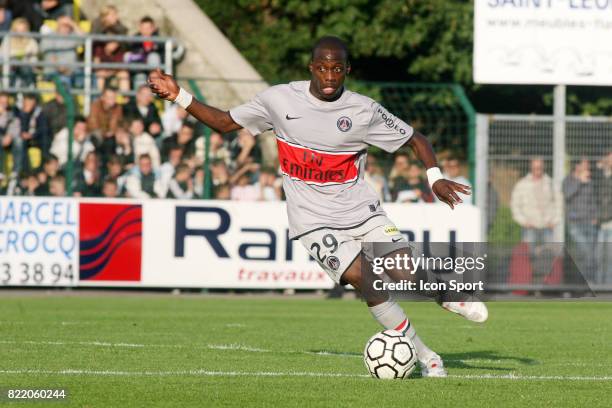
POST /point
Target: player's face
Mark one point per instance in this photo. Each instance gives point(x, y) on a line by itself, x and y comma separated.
point(328, 70)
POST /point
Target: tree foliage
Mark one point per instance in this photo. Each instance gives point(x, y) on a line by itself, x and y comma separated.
point(390, 40)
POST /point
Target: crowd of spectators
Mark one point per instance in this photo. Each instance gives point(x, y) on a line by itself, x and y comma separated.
point(584, 203)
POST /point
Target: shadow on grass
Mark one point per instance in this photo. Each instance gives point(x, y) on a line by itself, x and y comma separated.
point(479, 360)
point(469, 360)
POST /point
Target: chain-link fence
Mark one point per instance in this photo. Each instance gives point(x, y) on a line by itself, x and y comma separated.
point(528, 203)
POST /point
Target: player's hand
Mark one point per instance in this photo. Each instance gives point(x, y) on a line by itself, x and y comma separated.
point(163, 85)
point(447, 190)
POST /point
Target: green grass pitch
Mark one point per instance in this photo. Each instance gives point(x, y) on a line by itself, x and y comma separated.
point(202, 351)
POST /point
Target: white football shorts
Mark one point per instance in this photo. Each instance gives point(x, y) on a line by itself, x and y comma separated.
point(336, 249)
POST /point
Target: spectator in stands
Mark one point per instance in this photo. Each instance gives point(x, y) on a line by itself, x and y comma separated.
point(57, 186)
point(23, 49)
point(242, 189)
point(110, 189)
point(401, 162)
point(410, 187)
point(218, 149)
point(269, 185)
point(452, 172)
point(536, 205)
point(111, 52)
point(29, 184)
point(10, 135)
point(219, 173)
point(114, 172)
point(81, 145)
point(173, 118)
point(49, 170)
point(56, 112)
point(198, 181)
point(168, 168)
point(147, 51)
point(604, 199)
point(244, 150)
point(184, 139)
point(108, 22)
point(89, 180)
point(223, 192)
point(145, 181)
point(375, 176)
point(181, 185)
point(123, 148)
point(142, 107)
point(61, 50)
point(52, 10)
point(105, 115)
point(144, 142)
point(6, 16)
point(35, 132)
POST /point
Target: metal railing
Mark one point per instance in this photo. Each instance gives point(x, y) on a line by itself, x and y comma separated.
point(87, 66)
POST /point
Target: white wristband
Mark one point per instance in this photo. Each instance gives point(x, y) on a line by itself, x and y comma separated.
point(183, 98)
point(434, 174)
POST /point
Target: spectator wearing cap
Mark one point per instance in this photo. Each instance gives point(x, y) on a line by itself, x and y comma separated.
point(105, 115)
point(143, 107)
point(35, 130)
point(144, 181)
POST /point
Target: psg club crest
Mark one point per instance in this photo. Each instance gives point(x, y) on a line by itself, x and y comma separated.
point(344, 124)
point(333, 262)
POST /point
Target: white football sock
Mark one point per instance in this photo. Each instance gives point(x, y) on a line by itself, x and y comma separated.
point(391, 316)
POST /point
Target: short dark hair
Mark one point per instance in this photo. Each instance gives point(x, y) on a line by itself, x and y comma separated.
point(330, 41)
point(181, 167)
point(144, 156)
point(188, 125)
point(147, 19)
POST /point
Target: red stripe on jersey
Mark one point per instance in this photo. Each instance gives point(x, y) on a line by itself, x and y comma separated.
point(315, 166)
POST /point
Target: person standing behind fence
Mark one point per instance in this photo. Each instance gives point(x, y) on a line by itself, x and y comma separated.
point(581, 214)
point(452, 171)
point(604, 200)
point(536, 205)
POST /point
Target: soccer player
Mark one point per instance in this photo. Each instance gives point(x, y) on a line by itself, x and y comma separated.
point(323, 131)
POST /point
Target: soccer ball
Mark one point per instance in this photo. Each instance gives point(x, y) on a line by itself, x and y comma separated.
point(390, 355)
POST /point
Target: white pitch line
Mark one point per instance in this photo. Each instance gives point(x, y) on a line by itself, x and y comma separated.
point(245, 348)
point(209, 373)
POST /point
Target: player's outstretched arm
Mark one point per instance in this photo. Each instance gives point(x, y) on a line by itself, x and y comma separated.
point(445, 190)
point(165, 87)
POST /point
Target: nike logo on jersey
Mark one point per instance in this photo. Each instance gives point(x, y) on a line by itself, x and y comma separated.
point(290, 118)
point(396, 240)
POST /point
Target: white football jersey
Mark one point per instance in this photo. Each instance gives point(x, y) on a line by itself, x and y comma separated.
point(321, 149)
